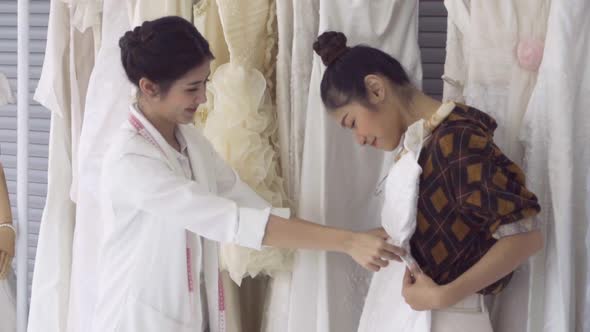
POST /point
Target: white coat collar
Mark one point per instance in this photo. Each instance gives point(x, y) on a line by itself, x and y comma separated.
point(147, 130)
point(193, 141)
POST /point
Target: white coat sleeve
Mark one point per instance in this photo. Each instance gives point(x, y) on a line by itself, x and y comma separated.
point(230, 186)
point(150, 186)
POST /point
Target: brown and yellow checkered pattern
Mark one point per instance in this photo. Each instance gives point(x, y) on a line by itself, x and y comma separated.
point(468, 188)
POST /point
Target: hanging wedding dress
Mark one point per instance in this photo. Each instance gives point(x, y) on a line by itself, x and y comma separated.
point(145, 10)
point(86, 14)
point(108, 90)
point(337, 193)
point(69, 59)
point(494, 50)
point(556, 133)
point(298, 27)
point(241, 126)
point(208, 23)
point(283, 93)
point(8, 285)
point(277, 301)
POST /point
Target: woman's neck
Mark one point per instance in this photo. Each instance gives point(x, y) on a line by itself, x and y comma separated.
point(420, 106)
point(164, 127)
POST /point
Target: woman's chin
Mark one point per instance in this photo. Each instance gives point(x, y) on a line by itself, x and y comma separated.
point(386, 147)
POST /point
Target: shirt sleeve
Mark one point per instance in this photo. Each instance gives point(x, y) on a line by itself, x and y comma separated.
point(149, 185)
point(489, 188)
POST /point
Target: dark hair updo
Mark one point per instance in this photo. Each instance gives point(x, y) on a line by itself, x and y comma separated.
point(346, 69)
point(163, 51)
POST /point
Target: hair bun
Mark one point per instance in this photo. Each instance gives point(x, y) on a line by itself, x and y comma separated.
point(330, 46)
point(131, 39)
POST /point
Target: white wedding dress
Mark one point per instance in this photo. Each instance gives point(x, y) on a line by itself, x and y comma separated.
point(109, 95)
point(556, 133)
point(328, 289)
point(61, 89)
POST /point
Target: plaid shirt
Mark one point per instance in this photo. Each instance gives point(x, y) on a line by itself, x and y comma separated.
point(469, 191)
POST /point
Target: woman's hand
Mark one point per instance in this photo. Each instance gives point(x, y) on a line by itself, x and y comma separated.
point(422, 293)
point(7, 240)
point(371, 250)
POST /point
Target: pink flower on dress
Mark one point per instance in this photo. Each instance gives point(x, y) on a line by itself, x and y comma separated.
point(530, 53)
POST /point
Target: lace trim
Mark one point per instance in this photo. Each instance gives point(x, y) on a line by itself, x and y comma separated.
point(519, 227)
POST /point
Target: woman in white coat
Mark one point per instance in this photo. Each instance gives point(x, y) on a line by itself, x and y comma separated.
point(453, 200)
point(167, 198)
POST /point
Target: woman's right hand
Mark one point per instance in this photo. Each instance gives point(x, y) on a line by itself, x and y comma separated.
point(371, 250)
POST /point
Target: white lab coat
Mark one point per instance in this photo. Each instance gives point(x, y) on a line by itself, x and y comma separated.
point(147, 206)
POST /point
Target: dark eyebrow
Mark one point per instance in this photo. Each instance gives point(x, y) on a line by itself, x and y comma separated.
point(199, 82)
point(343, 120)
point(195, 83)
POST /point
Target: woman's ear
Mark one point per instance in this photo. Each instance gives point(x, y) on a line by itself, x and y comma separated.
point(375, 86)
point(148, 88)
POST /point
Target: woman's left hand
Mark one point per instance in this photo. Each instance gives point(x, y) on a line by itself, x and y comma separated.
point(422, 293)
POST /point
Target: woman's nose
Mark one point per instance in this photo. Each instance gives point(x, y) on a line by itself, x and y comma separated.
point(201, 97)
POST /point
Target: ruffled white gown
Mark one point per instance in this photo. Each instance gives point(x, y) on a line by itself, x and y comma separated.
point(338, 177)
point(242, 124)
